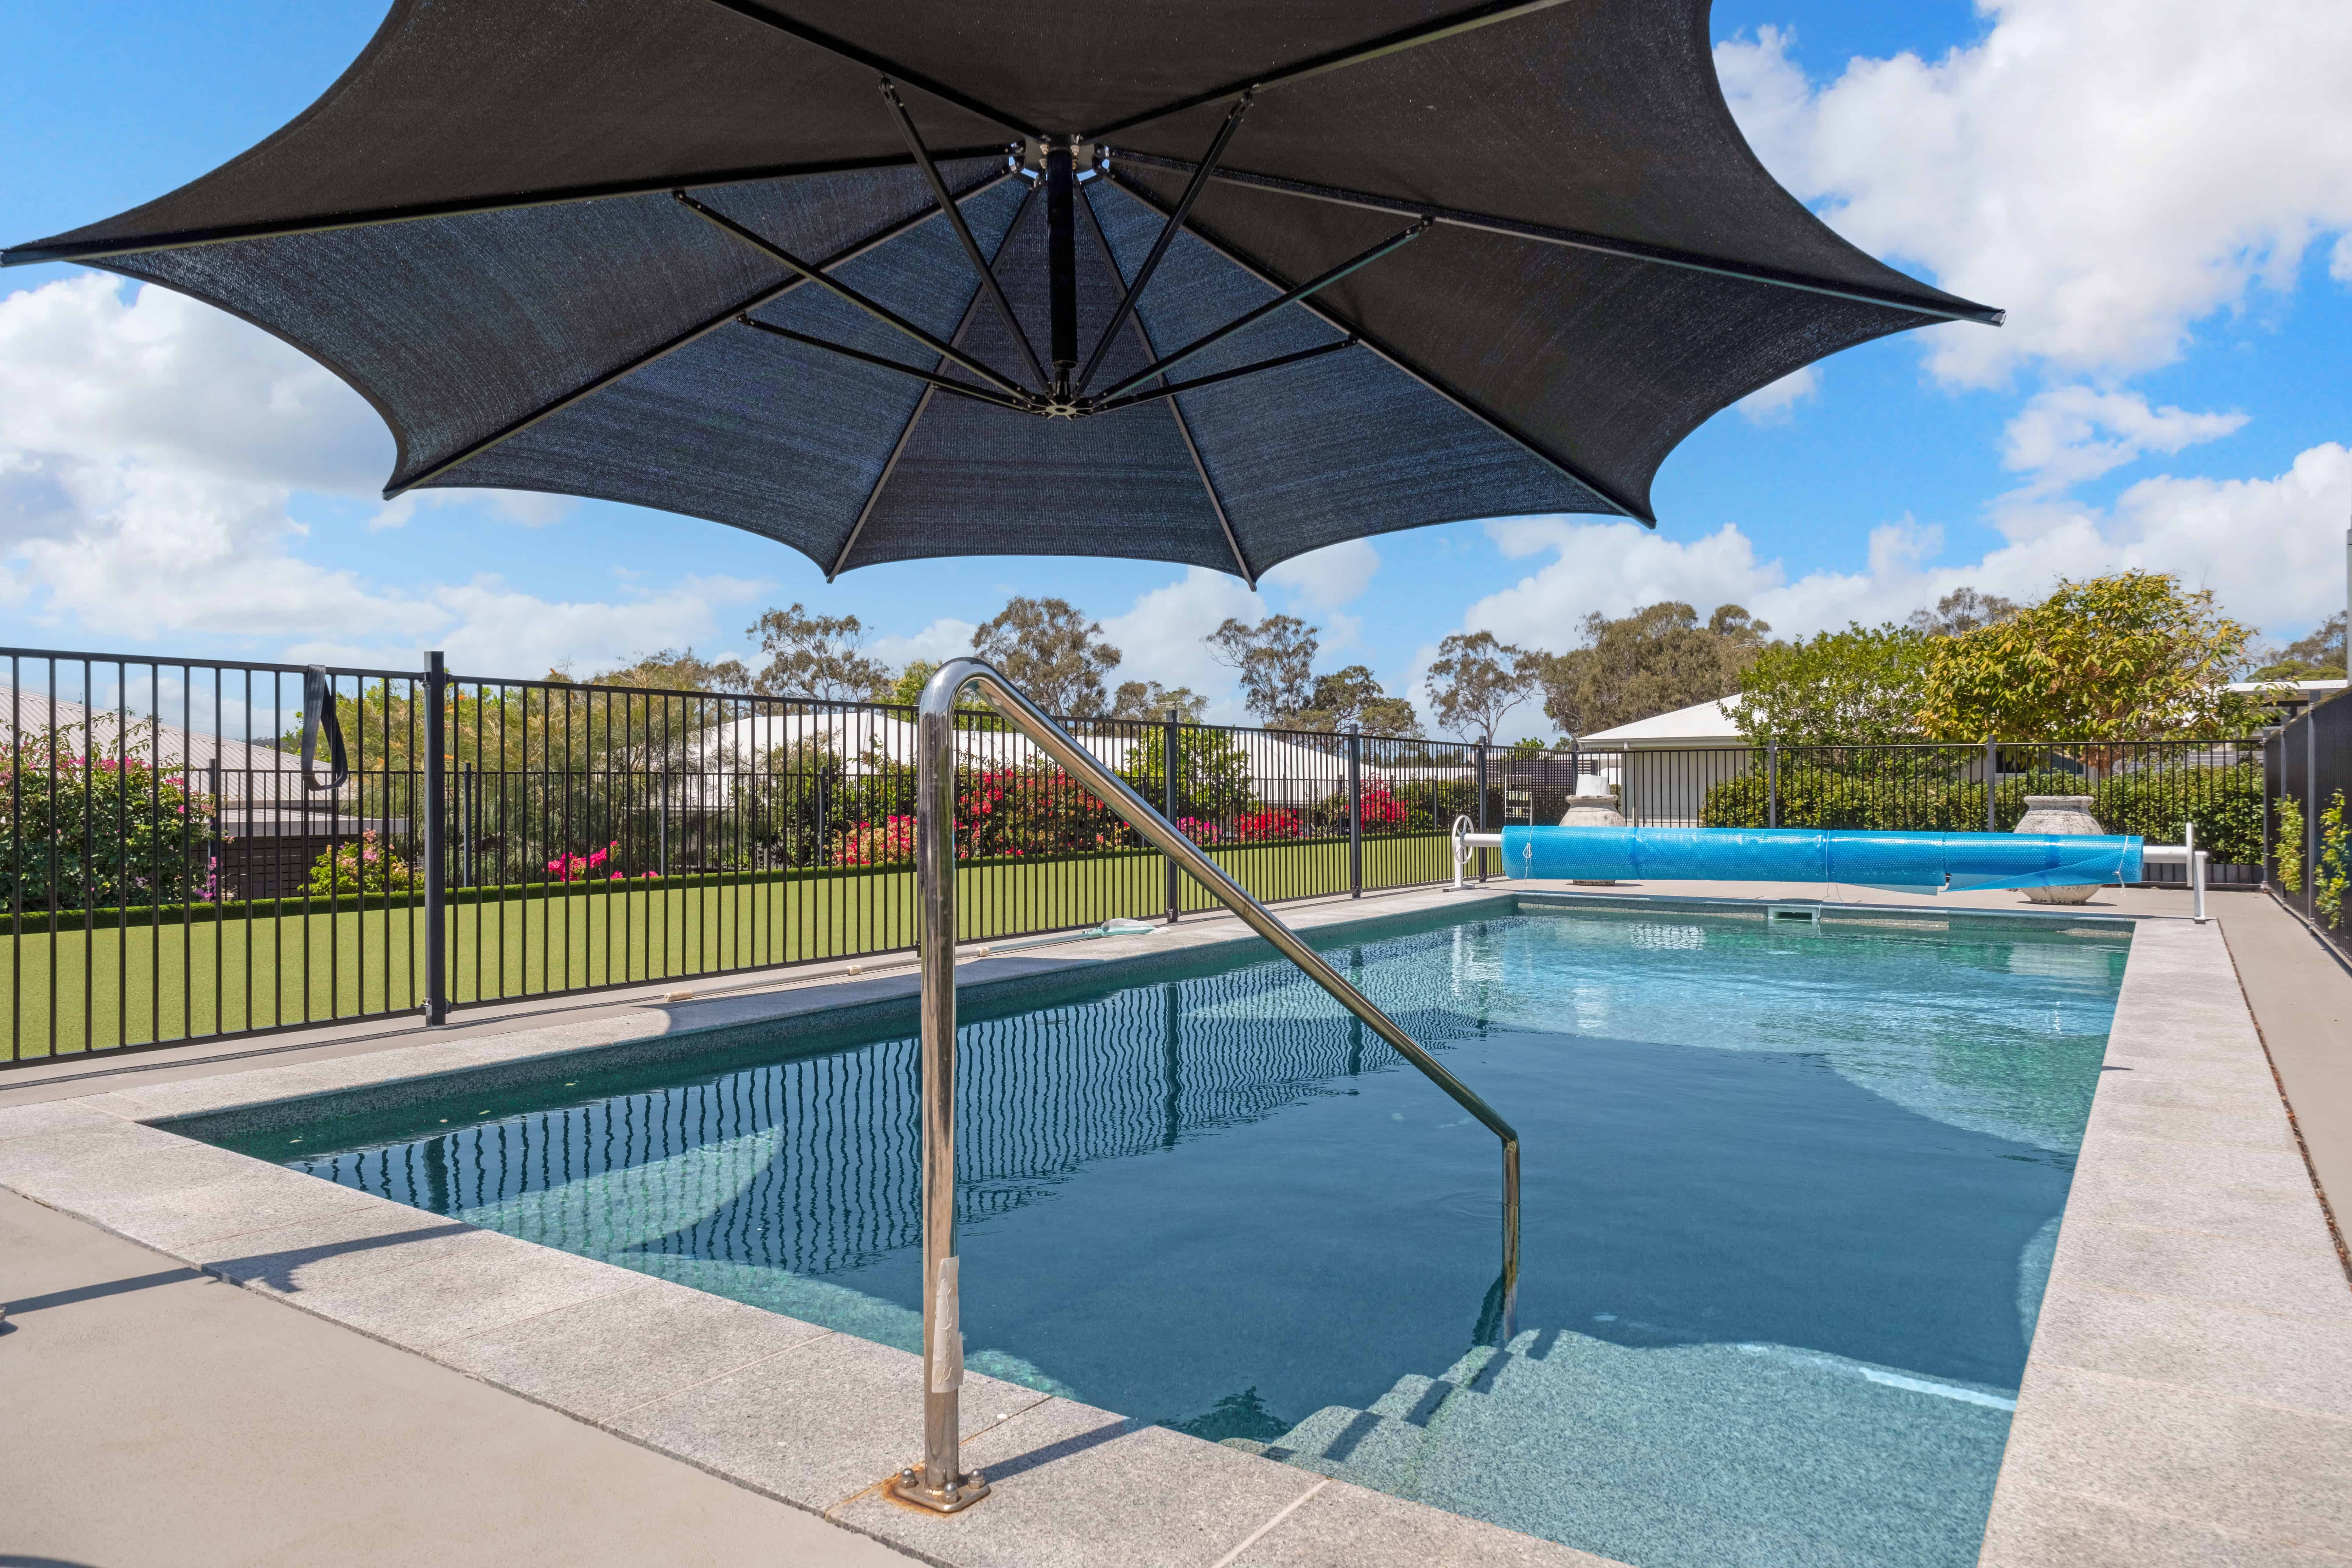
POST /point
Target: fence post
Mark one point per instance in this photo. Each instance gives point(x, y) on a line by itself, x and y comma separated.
point(1480, 775)
point(437, 872)
point(1355, 812)
point(1168, 808)
point(1771, 783)
point(1992, 774)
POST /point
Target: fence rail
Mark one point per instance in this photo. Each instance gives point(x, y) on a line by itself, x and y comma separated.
point(173, 871)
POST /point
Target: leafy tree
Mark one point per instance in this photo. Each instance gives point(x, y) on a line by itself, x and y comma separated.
point(1475, 680)
point(1213, 773)
point(2317, 656)
point(1961, 611)
point(1858, 687)
point(1275, 661)
point(2116, 658)
point(1050, 650)
point(816, 655)
point(1150, 699)
point(1529, 748)
point(679, 669)
point(1353, 695)
point(1653, 661)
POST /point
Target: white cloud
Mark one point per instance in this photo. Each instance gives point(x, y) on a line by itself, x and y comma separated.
point(1611, 567)
point(1328, 578)
point(943, 639)
point(1160, 635)
point(2056, 437)
point(2111, 172)
point(1776, 403)
point(2269, 549)
point(149, 449)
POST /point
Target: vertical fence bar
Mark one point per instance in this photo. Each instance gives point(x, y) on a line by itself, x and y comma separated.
point(1771, 783)
point(436, 812)
point(1355, 813)
point(1172, 732)
point(1992, 776)
point(1478, 784)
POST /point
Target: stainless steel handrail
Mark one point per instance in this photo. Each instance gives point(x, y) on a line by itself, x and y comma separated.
point(940, 1482)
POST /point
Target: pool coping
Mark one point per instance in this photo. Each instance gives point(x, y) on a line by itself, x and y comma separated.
point(2135, 1311)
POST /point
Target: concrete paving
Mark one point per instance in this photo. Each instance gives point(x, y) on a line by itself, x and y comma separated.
point(157, 1415)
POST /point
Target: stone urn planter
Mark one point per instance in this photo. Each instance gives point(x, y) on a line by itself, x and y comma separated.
point(1597, 808)
point(2059, 813)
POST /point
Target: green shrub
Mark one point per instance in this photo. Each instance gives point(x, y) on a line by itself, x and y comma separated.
point(2224, 802)
point(94, 832)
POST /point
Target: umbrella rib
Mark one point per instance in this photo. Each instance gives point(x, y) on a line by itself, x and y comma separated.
point(1176, 412)
point(791, 28)
point(873, 308)
point(1443, 28)
point(1131, 399)
point(922, 407)
point(563, 195)
point(1287, 297)
point(1460, 400)
point(881, 236)
point(963, 230)
point(1580, 239)
point(1200, 182)
point(979, 394)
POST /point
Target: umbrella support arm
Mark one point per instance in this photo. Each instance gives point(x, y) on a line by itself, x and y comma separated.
point(1288, 297)
point(1199, 183)
point(995, 290)
point(1132, 399)
point(962, 389)
point(835, 286)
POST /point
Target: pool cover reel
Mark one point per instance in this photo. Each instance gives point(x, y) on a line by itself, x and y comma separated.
point(1900, 862)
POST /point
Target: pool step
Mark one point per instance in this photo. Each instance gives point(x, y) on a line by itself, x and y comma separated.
point(1680, 1453)
point(1380, 1447)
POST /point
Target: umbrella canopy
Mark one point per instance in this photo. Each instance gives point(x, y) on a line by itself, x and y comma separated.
point(1215, 283)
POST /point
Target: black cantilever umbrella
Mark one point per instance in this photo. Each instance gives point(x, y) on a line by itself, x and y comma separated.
point(1216, 283)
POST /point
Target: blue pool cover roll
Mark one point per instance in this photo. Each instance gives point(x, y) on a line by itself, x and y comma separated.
point(1907, 862)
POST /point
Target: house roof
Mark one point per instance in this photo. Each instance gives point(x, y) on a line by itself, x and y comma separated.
point(1704, 722)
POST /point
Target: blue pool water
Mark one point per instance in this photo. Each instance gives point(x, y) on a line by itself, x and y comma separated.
point(1790, 1194)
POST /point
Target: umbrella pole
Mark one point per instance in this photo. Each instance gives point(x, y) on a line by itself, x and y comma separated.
point(939, 1482)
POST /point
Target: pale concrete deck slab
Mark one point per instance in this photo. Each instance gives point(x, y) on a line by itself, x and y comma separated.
point(157, 1418)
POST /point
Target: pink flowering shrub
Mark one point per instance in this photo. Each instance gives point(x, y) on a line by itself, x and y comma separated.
point(361, 865)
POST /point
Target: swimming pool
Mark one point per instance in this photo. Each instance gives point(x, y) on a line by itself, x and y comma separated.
point(1790, 1196)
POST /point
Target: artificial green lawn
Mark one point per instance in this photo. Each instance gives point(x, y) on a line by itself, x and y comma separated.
point(173, 980)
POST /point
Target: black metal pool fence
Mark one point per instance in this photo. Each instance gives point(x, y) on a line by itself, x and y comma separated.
point(172, 869)
point(2308, 769)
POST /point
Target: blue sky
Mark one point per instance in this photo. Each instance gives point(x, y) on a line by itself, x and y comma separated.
point(2158, 191)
